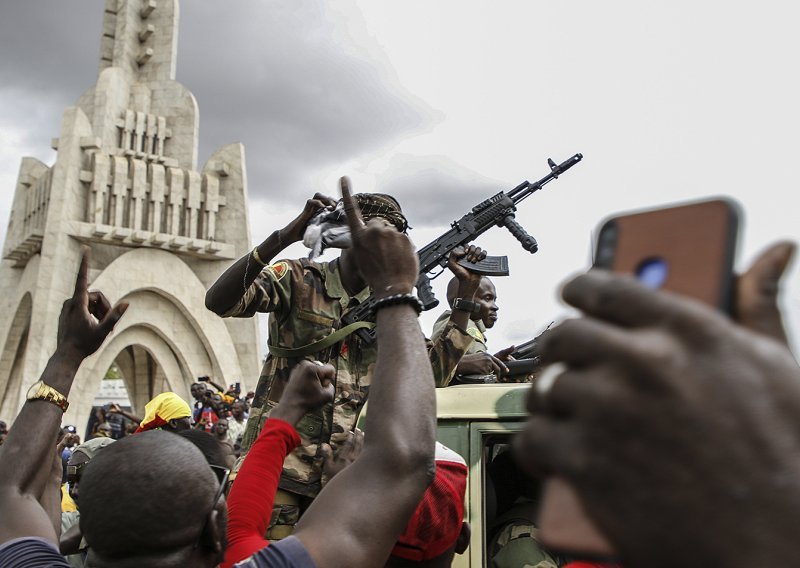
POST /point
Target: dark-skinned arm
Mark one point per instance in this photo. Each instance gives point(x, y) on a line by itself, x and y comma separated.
point(231, 285)
point(86, 319)
point(116, 409)
point(447, 349)
point(50, 500)
point(397, 460)
point(253, 493)
point(70, 542)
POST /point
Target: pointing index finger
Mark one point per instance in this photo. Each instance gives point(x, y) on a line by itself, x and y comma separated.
point(82, 281)
point(354, 219)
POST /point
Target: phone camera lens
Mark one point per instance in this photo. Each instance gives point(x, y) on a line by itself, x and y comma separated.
point(652, 272)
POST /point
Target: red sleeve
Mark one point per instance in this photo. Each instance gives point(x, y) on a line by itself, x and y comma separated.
point(253, 491)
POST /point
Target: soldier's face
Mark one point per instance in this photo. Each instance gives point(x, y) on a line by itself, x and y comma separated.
point(486, 297)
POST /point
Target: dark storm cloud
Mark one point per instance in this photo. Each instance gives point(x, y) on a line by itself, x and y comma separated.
point(434, 189)
point(282, 81)
point(286, 79)
point(50, 52)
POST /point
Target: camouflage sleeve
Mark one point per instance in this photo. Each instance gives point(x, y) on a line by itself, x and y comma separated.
point(446, 351)
point(440, 324)
point(269, 292)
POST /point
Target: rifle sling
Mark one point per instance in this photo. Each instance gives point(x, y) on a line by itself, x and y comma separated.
point(325, 342)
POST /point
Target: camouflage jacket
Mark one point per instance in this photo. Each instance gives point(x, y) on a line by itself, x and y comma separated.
point(476, 331)
point(305, 300)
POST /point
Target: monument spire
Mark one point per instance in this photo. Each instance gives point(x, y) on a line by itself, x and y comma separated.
point(141, 37)
point(126, 183)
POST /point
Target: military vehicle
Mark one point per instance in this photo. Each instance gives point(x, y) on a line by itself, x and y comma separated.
point(477, 421)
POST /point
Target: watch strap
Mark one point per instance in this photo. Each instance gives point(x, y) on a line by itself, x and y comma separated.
point(49, 394)
point(466, 305)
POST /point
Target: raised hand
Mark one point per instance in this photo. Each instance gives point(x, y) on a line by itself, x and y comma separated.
point(345, 454)
point(87, 317)
point(472, 254)
point(677, 427)
point(293, 232)
point(309, 387)
point(385, 257)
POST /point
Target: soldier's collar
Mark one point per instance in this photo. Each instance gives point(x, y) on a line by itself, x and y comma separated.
point(333, 282)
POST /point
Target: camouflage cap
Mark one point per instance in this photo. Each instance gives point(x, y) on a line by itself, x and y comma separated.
point(91, 447)
point(383, 206)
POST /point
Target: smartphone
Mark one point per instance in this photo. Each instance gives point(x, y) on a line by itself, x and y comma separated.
point(688, 249)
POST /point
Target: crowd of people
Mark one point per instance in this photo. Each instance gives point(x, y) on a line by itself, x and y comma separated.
point(674, 425)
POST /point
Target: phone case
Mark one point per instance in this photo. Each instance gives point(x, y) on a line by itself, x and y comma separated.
point(688, 249)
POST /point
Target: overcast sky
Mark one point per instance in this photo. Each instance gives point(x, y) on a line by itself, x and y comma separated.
point(443, 103)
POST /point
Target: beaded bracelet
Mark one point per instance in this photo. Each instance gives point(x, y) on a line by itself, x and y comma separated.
point(397, 299)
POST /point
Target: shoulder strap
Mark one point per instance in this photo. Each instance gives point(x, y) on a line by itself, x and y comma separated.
point(319, 345)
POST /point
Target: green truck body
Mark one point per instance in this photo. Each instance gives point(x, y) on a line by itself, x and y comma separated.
point(472, 419)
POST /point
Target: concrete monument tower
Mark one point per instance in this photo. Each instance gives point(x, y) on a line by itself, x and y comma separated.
point(126, 183)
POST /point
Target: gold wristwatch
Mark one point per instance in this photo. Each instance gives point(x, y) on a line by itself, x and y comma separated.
point(41, 391)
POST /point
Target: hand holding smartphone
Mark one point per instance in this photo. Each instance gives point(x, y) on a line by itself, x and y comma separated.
point(688, 249)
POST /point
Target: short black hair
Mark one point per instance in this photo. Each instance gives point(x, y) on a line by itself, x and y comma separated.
point(145, 494)
point(207, 444)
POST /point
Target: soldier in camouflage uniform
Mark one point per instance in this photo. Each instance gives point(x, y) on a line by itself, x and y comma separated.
point(483, 314)
point(306, 300)
point(512, 540)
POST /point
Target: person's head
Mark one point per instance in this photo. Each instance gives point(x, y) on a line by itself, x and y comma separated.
point(167, 411)
point(3, 427)
point(208, 445)
point(378, 206)
point(237, 410)
point(197, 390)
point(70, 435)
point(103, 430)
point(221, 428)
point(486, 298)
point(153, 500)
point(81, 456)
point(436, 531)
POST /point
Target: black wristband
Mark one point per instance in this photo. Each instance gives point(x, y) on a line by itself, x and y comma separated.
point(397, 299)
point(468, 306)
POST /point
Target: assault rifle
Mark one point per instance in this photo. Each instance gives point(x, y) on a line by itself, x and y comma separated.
point(498, 210)
point(526, 361)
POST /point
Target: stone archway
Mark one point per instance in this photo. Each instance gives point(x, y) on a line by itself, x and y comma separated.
point(158, 369)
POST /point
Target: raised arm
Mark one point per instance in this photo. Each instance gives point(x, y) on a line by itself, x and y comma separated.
point(233, 283)
point(251, 497)
point(117, 409)
point(397, 461)
point(86, 319)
